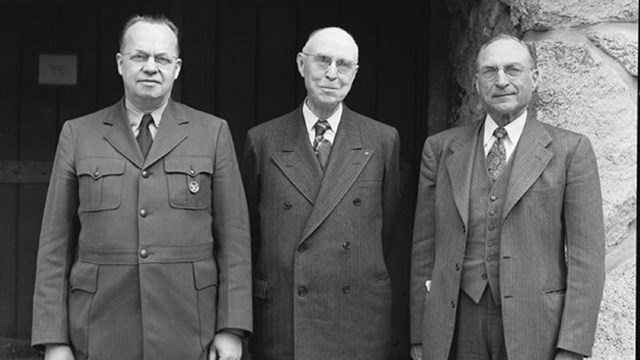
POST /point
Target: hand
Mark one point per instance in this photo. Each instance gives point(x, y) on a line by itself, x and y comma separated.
point(416, 352)
point(58, 352)
point(567, 355)
point(226, 346)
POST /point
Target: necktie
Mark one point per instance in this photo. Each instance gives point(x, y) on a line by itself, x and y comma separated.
point(322, 146)
point(144, 136)
point(497, 156)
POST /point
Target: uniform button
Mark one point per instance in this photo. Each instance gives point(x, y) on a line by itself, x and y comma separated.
point(145, 174)
point(287, 205)
point(453, 303)
point(96, 174)
point(490, 244)
point(302, 291)
point(484, 276)
point(346, 289)
point(493, 198)
point(144, 253)
point(192, 172)
point(491, 228)
point(346, 245)
point(491, 258)
point(357, 201)
point(143, 213)
point(302, 248)
point(458, 267)
point(492, 212)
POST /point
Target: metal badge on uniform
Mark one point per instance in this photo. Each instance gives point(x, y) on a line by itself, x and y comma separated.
point(194, 187)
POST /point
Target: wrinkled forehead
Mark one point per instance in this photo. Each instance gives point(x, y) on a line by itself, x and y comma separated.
point(503, 52)
point(334, 43)
point(155, 38)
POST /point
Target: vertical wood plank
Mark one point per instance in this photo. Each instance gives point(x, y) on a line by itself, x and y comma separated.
point(79, 33)
point(236, 67)
point(276, 59)
point(199, 55)
point(111, 18)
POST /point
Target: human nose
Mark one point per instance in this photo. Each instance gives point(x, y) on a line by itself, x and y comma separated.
point(150, 65)
point(332, 71)
point(501, 78)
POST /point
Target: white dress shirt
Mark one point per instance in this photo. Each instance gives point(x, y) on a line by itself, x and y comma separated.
point(310, 119)
point(514, 131)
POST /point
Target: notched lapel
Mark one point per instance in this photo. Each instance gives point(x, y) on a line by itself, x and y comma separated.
point(120, 135)
point(459, 167)
point(530, 159)
point(169, 134)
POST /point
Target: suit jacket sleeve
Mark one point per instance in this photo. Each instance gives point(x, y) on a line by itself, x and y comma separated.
point(58, 238)
point(584, 231)
point(232, 241)
point(391, 192)
point(423, 248)
point(251, 181)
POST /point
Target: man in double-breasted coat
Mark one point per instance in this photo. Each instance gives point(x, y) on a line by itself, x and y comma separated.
point(145, 248)
point(508, 250)
point(322, 220)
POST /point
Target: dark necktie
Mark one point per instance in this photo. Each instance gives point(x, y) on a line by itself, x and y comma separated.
point(144, 136)
point(322, 146)
point(497, 156)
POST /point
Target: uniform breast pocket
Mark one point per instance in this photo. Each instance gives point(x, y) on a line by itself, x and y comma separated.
point(100, 183)
point(189, 180)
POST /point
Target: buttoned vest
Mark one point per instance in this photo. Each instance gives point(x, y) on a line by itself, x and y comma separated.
point(481, 265)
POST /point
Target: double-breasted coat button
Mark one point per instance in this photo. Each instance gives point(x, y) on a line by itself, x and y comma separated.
point(484, 276)
point(346, 245)
point(458, 267)
point(143, 212)
point(302, 291)
point(453, 303)
point(144, 253)
point(357, 201)
point(145, 174)
point(302, 248)
point(287, 205)
point(346, 289)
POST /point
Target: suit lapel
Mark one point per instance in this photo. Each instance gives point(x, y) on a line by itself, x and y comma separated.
point(530, 159)
point(297, 161)
point(346, 162)
point(460, 165)
point(120, 135)
point(169, 134)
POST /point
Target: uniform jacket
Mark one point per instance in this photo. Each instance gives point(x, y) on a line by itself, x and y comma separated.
point(321, 286)
point(550, 297)
point(143, 259)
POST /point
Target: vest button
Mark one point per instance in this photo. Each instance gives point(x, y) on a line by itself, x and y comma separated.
point(491, 212)
point(302, 291)
point(490, 243)
point(493, 198)
point(491, 227)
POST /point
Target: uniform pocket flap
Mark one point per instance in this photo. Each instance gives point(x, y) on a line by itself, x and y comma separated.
point(260, 288)
point(99, 167)
point(205, 273)
point(191, 166)
point(84, 276)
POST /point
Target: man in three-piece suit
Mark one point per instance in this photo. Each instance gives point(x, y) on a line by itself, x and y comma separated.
point(508, 250)
point(145, 244)
point(322, 182)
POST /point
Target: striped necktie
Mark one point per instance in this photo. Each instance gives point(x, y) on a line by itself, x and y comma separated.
point(322, 146)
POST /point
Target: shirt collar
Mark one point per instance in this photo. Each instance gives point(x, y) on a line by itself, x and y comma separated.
point(135, 115)
point(514, 128)
point(310, 118)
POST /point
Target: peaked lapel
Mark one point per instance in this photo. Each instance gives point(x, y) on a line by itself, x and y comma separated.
point(460, 165)
point(169, 134)
point(346, 162)
point(297, 161)
point(530, 159)
point(120, 135)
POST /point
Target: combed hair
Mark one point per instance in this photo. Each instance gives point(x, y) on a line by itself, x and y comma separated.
point(527, 45)
point(151, 19)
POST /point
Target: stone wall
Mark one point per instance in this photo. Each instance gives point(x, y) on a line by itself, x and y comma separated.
point(587, 54)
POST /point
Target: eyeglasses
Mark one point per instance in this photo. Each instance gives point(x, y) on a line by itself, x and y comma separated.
point(141, 58)
point(323, 62)
point(511, 70)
